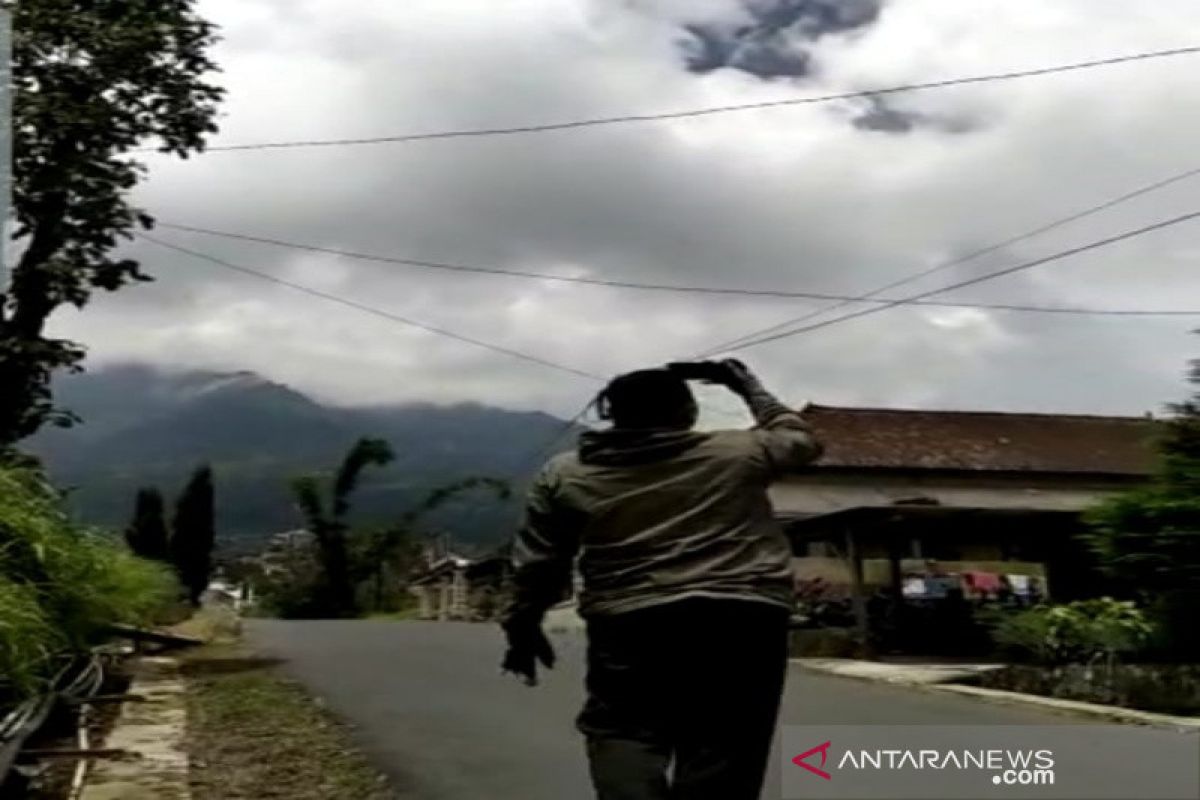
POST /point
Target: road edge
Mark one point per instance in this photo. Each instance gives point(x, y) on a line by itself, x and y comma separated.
point(153, 730)
point(1076, 708)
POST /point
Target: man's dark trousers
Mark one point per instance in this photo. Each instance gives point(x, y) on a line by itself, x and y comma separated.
point(692, 685)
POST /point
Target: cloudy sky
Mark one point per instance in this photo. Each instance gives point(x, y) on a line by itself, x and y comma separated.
point(839, 197)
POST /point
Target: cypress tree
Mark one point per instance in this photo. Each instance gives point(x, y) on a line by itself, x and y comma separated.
point(194, 533)
point(147, 531)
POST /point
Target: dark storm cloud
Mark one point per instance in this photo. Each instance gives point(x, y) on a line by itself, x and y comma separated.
point(883, 115)
point(772, 42)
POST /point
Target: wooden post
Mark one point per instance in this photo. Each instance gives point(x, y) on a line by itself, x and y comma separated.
point(459, 593)
point(858, 598)
point(895, 573)
point(894, 616)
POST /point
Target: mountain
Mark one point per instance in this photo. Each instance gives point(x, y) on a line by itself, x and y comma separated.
point(144, 427)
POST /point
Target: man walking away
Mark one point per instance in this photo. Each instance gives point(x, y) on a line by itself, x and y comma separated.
point(687, 584)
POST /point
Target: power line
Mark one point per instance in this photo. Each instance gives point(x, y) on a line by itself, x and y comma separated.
point(655, 287)
point(570, 424)
point(536, 455)
point(465, 133)
point(566, 428)
point(972, 281)
point(973, 255)
point(371, 310)
point(541, 452)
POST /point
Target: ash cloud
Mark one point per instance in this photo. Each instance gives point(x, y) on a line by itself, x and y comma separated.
point(882, 116)
point(772, 40)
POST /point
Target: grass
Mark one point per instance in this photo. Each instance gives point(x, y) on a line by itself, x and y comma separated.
point(403, 615)
point(253, 734)
point(212, 624)
point(61, 584)
point(28, 643)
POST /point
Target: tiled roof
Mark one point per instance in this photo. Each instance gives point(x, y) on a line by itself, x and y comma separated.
point(981, 441)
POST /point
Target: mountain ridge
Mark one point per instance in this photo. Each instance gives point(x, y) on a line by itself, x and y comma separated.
point(142, 426)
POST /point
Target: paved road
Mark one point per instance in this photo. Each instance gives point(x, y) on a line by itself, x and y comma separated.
point(430, 708)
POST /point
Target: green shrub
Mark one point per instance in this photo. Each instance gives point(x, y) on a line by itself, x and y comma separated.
point(1085, 631)
point(1148, 539)
point(294, 588)
point(61, 584)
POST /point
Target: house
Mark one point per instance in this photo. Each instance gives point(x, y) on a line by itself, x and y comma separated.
point(901, 495)
point(222, 593)
point(442, 589)
point(453, 587)
point(284, 550)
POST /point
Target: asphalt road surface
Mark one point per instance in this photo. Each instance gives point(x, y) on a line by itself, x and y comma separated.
point(430, 708)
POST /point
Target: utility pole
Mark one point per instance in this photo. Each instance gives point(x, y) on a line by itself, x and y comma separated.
point(5, 137)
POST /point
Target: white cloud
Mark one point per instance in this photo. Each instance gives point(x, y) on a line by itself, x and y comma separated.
point(791, 198)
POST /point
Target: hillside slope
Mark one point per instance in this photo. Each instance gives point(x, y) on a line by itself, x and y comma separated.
point(142, 427)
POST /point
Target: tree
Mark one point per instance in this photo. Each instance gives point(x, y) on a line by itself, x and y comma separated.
point(93, 82)
point(1149, 539)
point(194, 533)
point(398, 542)
point(376, 553)
point(147, 532)
point(327, 520)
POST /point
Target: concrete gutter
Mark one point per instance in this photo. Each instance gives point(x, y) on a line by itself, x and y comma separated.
point(155, 731)
point(941, 677)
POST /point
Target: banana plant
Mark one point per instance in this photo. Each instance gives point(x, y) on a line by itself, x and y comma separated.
point(384, 545)
point(326, 517)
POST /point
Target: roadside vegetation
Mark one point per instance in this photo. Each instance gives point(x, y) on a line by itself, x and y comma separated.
point(1093, 632)
point(252, 733)
point(349, 570)
point(1148, 540)
point(62, 584)
point(1147, 543)
point(1140, 647)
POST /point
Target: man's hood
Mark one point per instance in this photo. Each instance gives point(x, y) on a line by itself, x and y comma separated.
point(623, 447)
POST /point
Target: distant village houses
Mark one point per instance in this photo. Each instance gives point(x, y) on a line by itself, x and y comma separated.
point(454, 587)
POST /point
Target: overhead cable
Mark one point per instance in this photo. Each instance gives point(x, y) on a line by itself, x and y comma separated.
point(372, 310)
point(980, 279)
point(971, 256)
point(683, 289)
point(464, 133)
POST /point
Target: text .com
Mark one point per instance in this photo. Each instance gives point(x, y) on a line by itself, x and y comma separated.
point(1024, 777)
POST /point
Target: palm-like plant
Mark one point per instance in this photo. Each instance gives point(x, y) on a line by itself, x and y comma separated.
point(327, 520)
point(385, 545)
